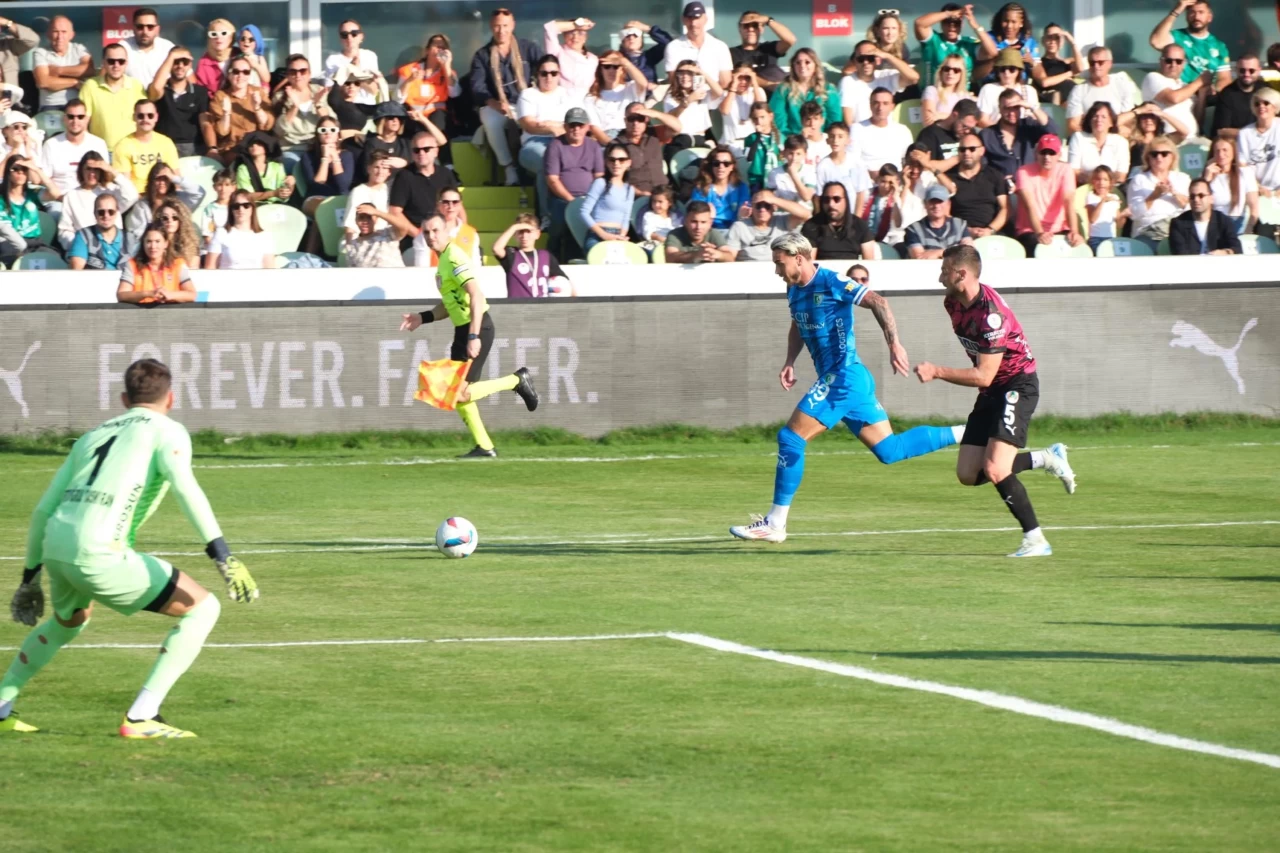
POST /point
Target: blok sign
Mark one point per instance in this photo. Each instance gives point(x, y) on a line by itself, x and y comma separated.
point(117, 23)
point(833, 17)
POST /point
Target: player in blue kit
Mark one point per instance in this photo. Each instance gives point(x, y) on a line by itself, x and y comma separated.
point(821, 302)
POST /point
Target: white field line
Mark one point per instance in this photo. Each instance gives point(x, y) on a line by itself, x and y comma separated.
point(402, 642)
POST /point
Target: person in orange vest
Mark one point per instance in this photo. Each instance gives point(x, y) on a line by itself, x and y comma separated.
point(450, 208)
point(155, 275)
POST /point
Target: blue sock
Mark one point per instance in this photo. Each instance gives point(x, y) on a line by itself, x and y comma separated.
point(790, 466)
point(916, 441)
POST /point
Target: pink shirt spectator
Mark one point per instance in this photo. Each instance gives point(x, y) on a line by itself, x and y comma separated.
point(210, 73)
point(577, 70)
point(1052, 192)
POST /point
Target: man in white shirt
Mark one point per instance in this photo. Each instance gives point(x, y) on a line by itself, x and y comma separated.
point(60, 67)
point(879, 139)
point(711, 54)
point(1166, 89)
point(1259, 143)
point(352, 55)
point(856, 88)
point(147, 49)
point(1099, 85)
point(60, 158)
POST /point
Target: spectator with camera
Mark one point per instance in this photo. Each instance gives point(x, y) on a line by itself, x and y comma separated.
point(425, 86)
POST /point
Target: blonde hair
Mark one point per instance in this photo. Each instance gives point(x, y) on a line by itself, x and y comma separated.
point(963, 85)
point(795, 90)
point(899, 47)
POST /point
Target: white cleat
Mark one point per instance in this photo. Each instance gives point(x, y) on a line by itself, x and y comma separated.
point(1055, 462)
point(760, 529)
point(1038, 547)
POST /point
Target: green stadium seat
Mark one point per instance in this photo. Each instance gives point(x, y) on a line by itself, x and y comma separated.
point(329, 216)
point(997, 246)
point(1252, 244)
point(888, 253)
point(285, 224)
point(1163, 247)
point(617, 252)
point(1060, 248)
point(1123, 247)
point(910, 113)
point(48, 229)
point(1192, 158)
point(486, 219)
point(41, 259)
point(573, 218)
point(200, 169)
point(683, 158)
point(497, 198)
point(472, 166)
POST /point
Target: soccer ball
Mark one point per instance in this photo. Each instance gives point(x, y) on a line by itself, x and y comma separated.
point(456, 537)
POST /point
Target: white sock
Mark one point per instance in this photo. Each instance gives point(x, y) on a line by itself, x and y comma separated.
point(512, 176)
point(1038, 457)
point(778, 515)
point(1034, 534)
point(146, 706)
point(958, 432)
point(6, 708)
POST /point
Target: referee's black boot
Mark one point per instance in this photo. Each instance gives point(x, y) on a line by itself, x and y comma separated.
point(479, 452)
point(526, 390)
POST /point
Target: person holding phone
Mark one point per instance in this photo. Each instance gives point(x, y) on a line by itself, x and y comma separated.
point(427, 84)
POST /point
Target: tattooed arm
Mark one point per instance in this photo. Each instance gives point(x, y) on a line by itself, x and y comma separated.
point(879, 306)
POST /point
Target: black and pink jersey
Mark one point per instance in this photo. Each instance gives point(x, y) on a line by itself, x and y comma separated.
point(988, 326)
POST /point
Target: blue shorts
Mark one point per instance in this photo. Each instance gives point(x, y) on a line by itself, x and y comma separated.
point(849, 396)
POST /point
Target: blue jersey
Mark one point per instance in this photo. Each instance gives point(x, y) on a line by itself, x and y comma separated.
point(823, 312)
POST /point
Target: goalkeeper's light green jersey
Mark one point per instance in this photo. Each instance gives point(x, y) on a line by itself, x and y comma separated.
point(113, 480)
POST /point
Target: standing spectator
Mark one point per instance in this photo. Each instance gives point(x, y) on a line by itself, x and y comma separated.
point(390, 119)
point(750, 238)
point(155, 275)
point(632, 47)
point(617, 83)
point(175, 219)
point(449, 207)
point(891, 208)
point(762, 56)
point(949, 87)
point(300, 106)
point(607, 209)
point(1104, 208)
point(723, 187)
point(136, 155)
point(427, 84)
point(1100, 85)
point(979, 193)
point(352, 57)
point(928, 238)
point(1258, 144)
point(1159, 193)
point(1046, 191)
point(1013, 141)
point(700, 47)
point(686, 101)
point(327, 167)
point(500, 72)
point(376, 190)
point(164, 185)
point(94, 178)
point(937, 46)
point(1011, 28)
point(99, 246)
point(237, 110)
point(110, 97)
point(873, 69)
point(20, 202)
point(371, 248)
point(792, 184)
point(530, 271)
point(62, 66)
point(834, 231)
point(260, 172)
point(573, 161)
point(1059, 74)
point(736, 107)
point(15, 40)
point(416, 188)
point(880, 140)
point(805, 82)
point(179, 100)
point(696, 242)
point(540, 112)
point(352, 115)
point(646, 173)
point(1234, 187)
point(1205, 52)
point(211, 70)
point(1233, 109)
point(1163, 87)
point(763, 147)
point(1203, 230)
point(61, 154)
point(943, 137)
point(251, 47)
point(146, 48)
point(215, 214)
point(241, 244)
point(577, 64)
point(1008, 71)
point(844, 165)
point(1098, 144)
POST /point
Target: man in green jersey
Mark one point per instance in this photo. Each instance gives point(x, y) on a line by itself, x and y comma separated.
point(82, 533)
point(976, 51)
point(463, 303)
point(1205, 51)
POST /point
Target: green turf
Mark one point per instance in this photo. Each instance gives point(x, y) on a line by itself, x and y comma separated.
point(649, 744)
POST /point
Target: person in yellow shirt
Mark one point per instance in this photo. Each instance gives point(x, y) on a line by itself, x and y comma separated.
point(109, 98)
point(138, 153)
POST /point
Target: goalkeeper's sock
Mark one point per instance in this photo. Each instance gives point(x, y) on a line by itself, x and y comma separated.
point(471, 417)
point(179, 651)
point(480, 390)
point(37, 650)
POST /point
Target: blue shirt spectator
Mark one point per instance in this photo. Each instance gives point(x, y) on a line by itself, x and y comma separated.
point(607, 206)
point(724, 205)
point(96, 248)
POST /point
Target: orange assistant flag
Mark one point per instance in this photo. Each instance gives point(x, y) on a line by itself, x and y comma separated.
point(439, 382)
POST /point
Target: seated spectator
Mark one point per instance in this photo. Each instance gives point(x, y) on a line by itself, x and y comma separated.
point(164, 184)
point(375, 191)
point(216, 213)
point(762, 56)
point(235, 111)
point(448, 207)
point(1234, 186)
point(942, 138)
point(1148, 120)
point(22, 190)
point(352, 58)
point(17, 137)
point(532, 273)
point(1099, 85)
point(180, 101)
point(1059, 74)
point(607, 209)
point(871, 68)
point(251, 47)
point(500, 74)
point(662, 217)
point(137, 154)
point(211, 69)
point(750, 238)
point(878, 139)
point(805, 82)
point(241, 244)
point(1165, 87)
point(935, 47)
point(300, 106)
point(353, 114)
point(1012, 142)
point(146, 47)
point(540, 113)
point(1011, 28)
point(1046, 192)
point(696, 242)
point(891, 208)
point(737, 106)
point(427, 84)
point(100, 246)
point(1009, 74)
point(1258, 144)
point(174, 218)
point(1098, 144)
point(1203, 230)
point(155, 275)
point(110, 97)
point(646, 173)
point(1107, 213)
point(813, 121)
point(888, 33)
point(835, 232)
point(917, 177)
point(979, 193)
point(793, 184)
point(723, 187)
point(260, 172)
point(60, 68)
point(62, 153)
point(686, 101)
point(372, 248)
point(577, 64)
point(648, 61)
point(928, 238)
point(94, 178)
point(390, 119)
point(416, 190)
point(844, 165)
point(763, 147)
point(949, 87)
point(616, 85)
point(573, 161)
point(1233, 110)
point(1158, 193)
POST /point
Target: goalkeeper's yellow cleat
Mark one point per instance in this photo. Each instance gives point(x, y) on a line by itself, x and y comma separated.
point(240, 584)
point(150, 729)
point(11, 723)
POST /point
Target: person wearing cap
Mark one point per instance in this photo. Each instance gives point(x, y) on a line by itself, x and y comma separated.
point(1045, 192)
point(501, 71)
point(574, 160)
point(1009, 68)
point(856, 87)
point(1011, 142)
point(631, 45)
point(762, 56)
point(577, 64)
point(935, 47)
point(540, 112)
point(1165, 87)
point(235, 111)
point(109, 97)
point(61, 67)
point(17, 135)
point(699, 46)
point(390, 118)
point(979, 193)
point(1101, 85)
point(1258, 144)
point(351, 58)
point(928, 238)
point(136, 154)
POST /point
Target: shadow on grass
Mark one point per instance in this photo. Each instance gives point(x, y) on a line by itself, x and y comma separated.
point(534, 550)
point(1190, 626)
point(1066, 656)
point(1232, 578)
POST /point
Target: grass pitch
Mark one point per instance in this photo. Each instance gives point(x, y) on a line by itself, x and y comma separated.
point(651, 744)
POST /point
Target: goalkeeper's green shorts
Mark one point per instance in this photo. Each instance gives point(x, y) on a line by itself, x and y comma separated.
point(126, 583)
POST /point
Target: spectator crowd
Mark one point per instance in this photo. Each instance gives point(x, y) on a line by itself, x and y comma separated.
point(695, 150)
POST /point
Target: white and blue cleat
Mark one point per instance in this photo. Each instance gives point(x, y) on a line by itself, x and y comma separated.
point(1033, 546)
point(1055, 463)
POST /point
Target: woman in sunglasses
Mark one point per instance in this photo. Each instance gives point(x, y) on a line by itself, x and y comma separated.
point(181, 231)
point(1158, 193)
point(607, 209)
point(155, 274)
point(352, 58)
point(1149, 120)
point(450, 208)
point(241, 244)
point(950, 86)
point(686, 101)
point(617, 83)
point(722, 186)
point(327, 166)
point(738, 106)
point(253, 49)
point(20, 202)
point(234, 112)
point(163, 185)
point(211, 70)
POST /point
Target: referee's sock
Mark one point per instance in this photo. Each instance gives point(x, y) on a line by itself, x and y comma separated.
point(480, 390)
point(471, 417)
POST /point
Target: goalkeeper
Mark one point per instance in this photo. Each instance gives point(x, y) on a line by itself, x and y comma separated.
point(83, 531)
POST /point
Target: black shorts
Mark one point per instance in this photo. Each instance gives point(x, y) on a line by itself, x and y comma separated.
point(459, 350)
point(1004, 413)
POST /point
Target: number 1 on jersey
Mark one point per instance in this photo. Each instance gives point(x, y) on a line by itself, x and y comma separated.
point(101, 452)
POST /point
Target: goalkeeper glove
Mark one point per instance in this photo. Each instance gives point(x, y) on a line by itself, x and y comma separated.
point(28, 602)
point(240, 584)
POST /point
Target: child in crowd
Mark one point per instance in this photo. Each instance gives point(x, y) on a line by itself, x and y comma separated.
point(214, 215)
point(844, 164)
point(762, 148)
point(793, 180)
point(662, 217)
point(532, 273)
point(812, 118)
point(1106, 217)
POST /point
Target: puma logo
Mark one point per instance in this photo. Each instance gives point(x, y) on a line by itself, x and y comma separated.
point(1187, 335)
point(13, 379)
